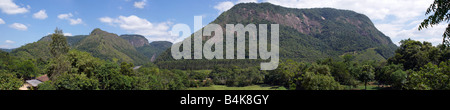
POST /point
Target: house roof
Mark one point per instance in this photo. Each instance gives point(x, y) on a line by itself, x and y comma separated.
point(34, 82)
point(42, 78)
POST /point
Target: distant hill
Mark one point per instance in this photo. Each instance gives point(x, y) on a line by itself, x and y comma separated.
point(154, 49)
point(305, 34)
point(6, 50)
point(110, 46)
point(101, 44)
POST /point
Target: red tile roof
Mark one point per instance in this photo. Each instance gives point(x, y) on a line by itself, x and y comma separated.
point(43, 78)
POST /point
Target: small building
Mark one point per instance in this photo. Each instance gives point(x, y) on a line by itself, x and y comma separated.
point(43, 78)
point(33, 83)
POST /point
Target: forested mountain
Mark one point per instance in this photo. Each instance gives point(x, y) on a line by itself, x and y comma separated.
point(108, 46)
point(154, 49)
point(142, 45)
point(136, 40)
point(6, 50)
point(305, 34)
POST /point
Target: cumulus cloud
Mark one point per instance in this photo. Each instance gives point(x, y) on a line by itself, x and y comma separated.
point(75, 21)
point(140, 4)
point(67, 34)
point(65, 16)
point(19, 26)
point(137, 25)
point(224, 6)
point(1, 21)
point(9, 42)
point(247, 1)
point(9, 7)
point(71, 20)
point(40, 15)
point(398, 19)
point(107, 20)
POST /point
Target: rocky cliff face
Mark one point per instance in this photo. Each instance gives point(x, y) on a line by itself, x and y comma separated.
point(136, 40)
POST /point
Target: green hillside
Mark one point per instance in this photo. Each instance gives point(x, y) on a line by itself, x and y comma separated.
point(305, 34)
point(101, 44)
point(154, 49)
point(110, 46)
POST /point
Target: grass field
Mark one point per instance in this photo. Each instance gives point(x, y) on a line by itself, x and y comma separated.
point(369, 87)
point(223, 87)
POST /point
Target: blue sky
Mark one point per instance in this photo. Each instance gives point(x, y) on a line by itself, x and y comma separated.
point(26, 21)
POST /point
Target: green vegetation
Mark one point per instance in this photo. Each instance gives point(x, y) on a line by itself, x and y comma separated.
point(334, 54)
point(155, 48)
point(104, 45)
point(306, 35)
point(440, 12)
point(9, 81)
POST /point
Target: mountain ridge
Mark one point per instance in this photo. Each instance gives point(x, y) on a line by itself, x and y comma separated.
point(305, 34)
point(99, 43)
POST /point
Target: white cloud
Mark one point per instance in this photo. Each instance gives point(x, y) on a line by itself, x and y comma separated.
point(398, 19)
point(375, 9)
point(40, 15)
point(75, 21)
point(6, 46)
point(65, 16)
point(9, 7)
point(136, 25)
point(224, 6)
point(1, 21)
point(106, 20)
point(19, 26)
point(247, 1)
point(67, 34)
point(140, 4)
point(71, 20)
point(9, 42)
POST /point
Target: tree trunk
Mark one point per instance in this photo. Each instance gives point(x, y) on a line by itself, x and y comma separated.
point(365, 85)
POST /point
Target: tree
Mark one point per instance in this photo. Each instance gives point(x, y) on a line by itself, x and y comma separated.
point(440, 10)
point(127, 68)
point(398, 79)
point(27, 69)
point(385, 74)
point(58, 49)
point(430, 77)
point(76, 82)
point(312, 81)
point(367, 74)
point(9, 81)
point(46, 86)
point(59, 45)
point(414, 54)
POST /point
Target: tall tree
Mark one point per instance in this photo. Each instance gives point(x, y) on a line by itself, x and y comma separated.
point(58, 48)
point(59, 44)
point(440, 12)
point(367, 74)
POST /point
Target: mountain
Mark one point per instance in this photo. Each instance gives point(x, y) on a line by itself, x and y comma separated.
point(136, 40)
point(154, 49)
point(101, 44)
point(6, 50)
point(305, 34)
point(40, 49)
point(150, 50)
point(110, 46)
